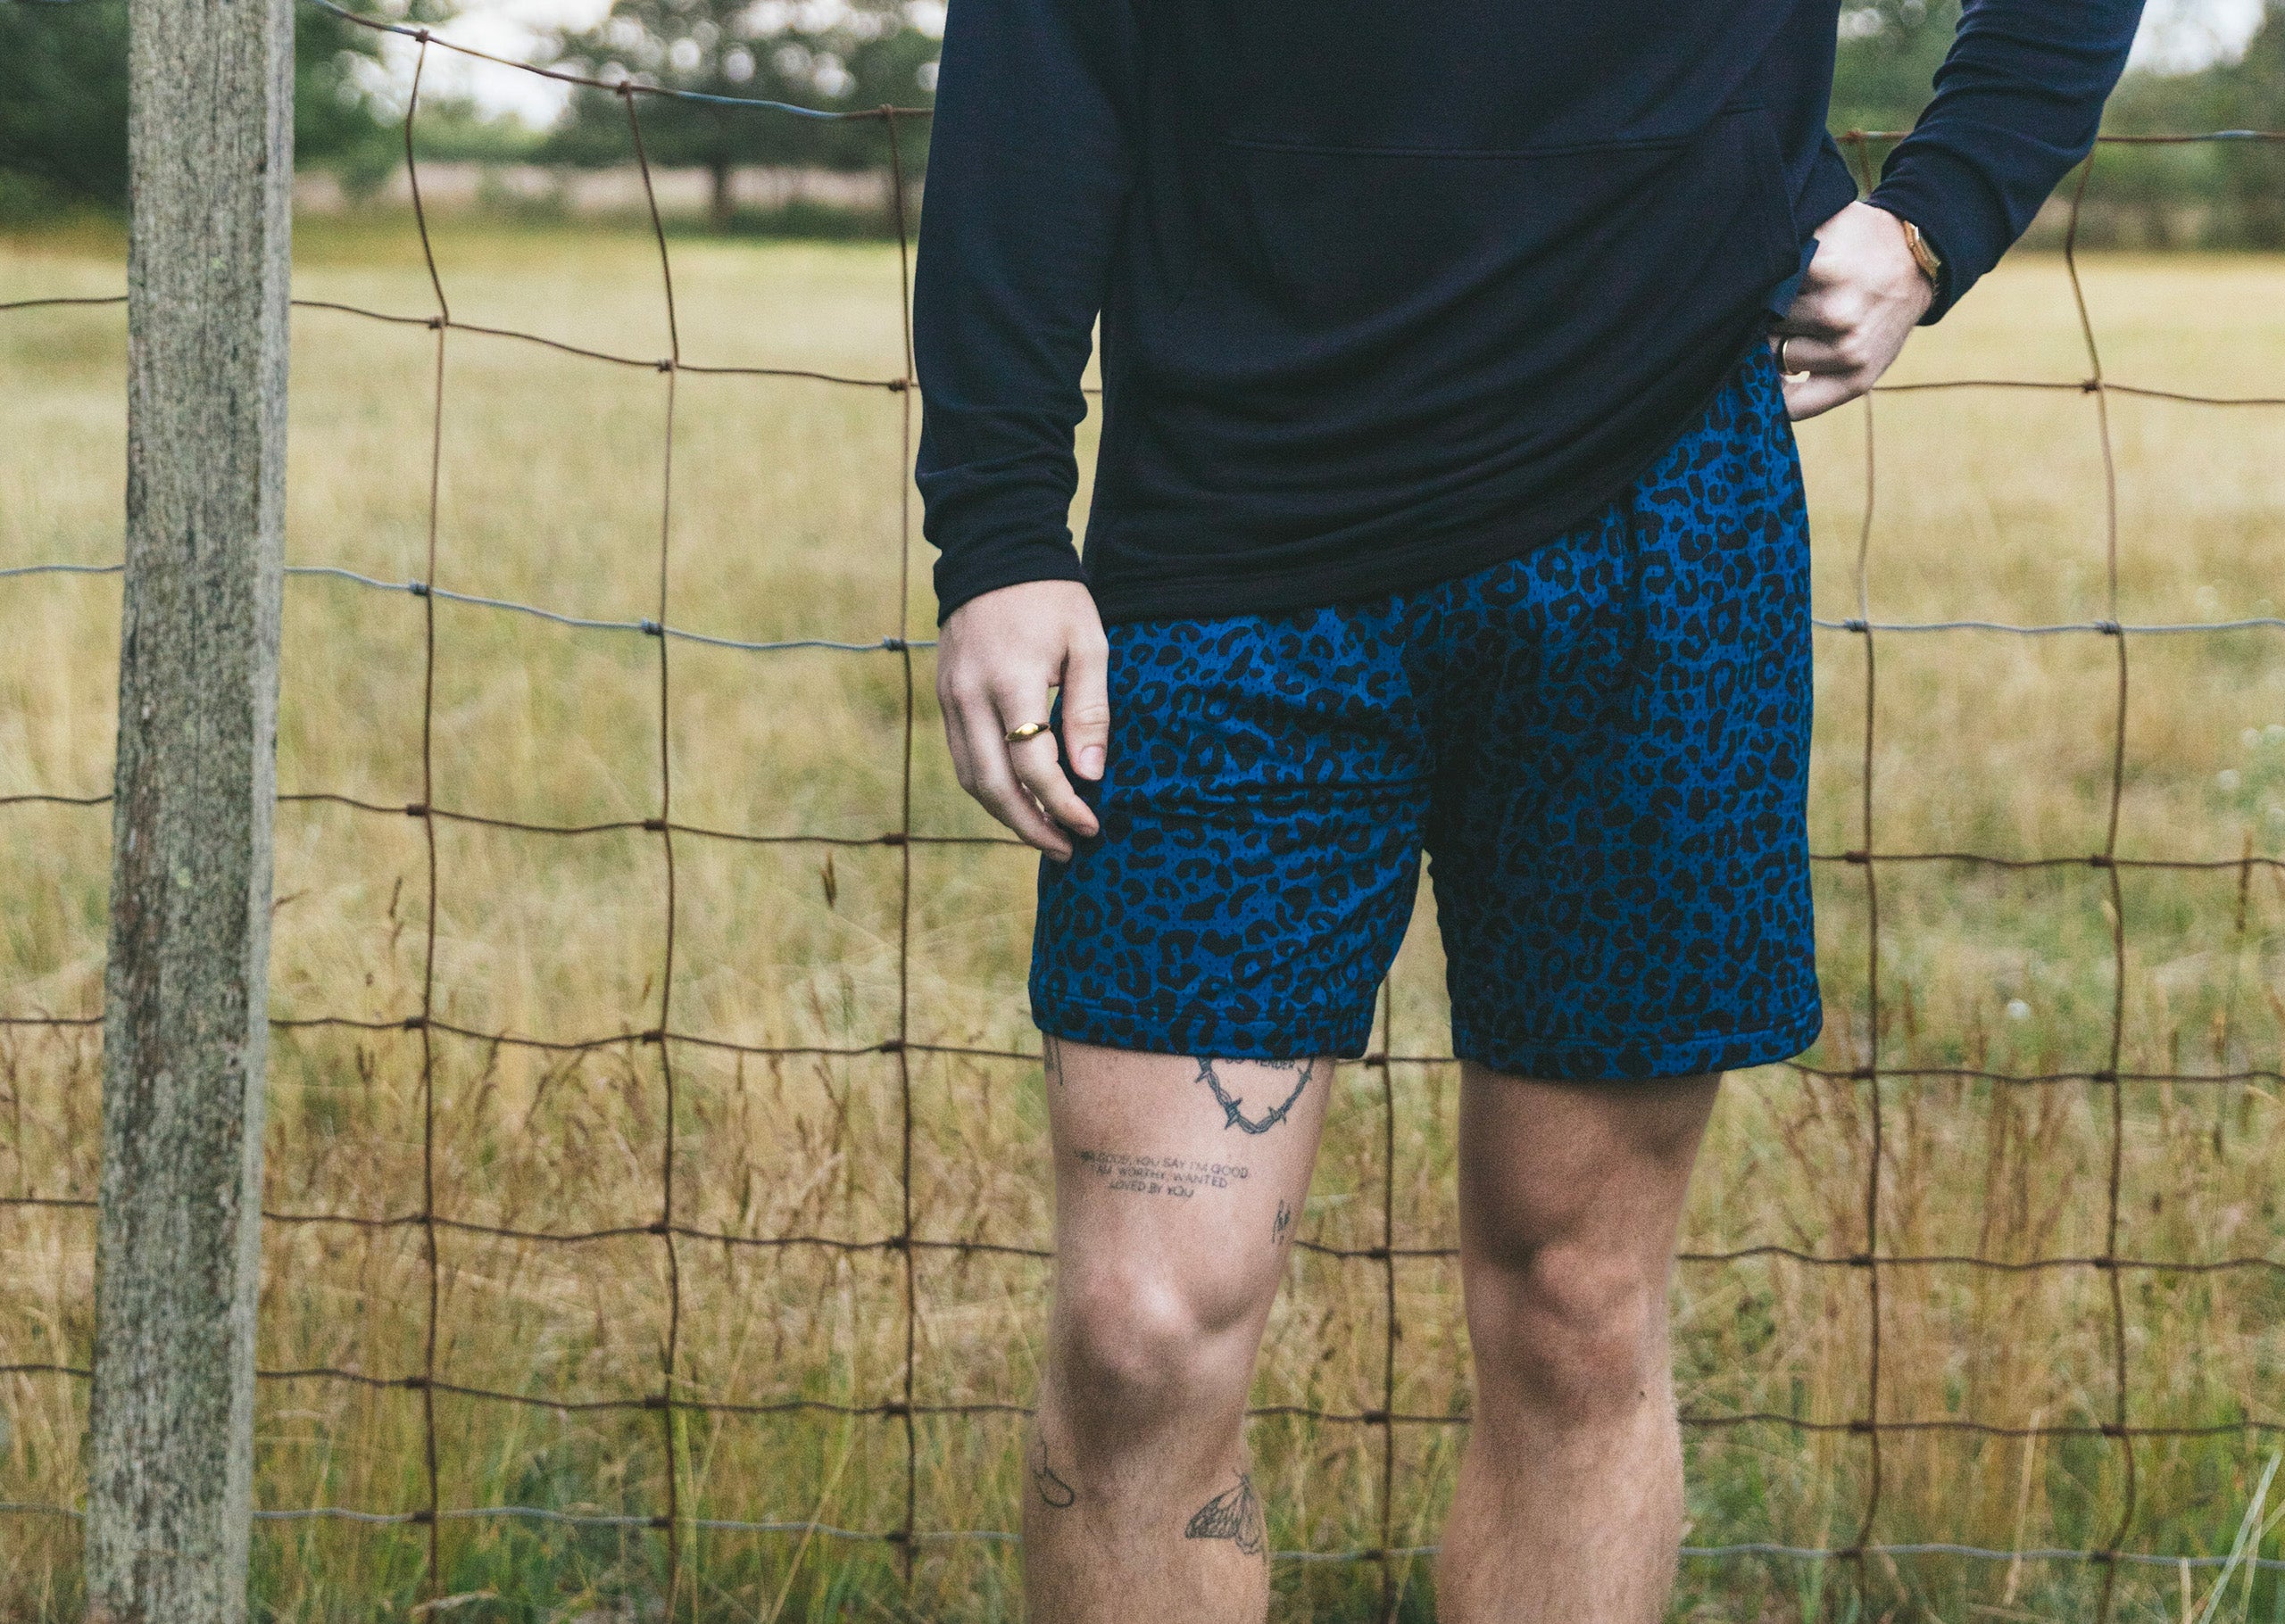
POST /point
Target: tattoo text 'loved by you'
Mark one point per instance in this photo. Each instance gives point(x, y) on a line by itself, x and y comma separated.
point(1179, 1176)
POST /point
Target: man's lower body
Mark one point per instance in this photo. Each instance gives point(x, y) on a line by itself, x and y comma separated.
point(1602, 747)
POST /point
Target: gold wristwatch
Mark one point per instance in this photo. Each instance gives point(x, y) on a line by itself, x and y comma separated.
point(1923, 254)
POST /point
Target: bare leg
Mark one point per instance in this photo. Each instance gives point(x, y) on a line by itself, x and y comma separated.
point(1176, 1184)
point(1569, 1509)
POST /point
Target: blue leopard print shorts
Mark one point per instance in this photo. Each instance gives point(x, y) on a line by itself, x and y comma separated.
point(1601, 745)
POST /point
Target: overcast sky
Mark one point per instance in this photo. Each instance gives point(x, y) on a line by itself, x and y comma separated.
point(2177, 35)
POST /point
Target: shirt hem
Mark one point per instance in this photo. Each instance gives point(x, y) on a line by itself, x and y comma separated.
point(1502, 535)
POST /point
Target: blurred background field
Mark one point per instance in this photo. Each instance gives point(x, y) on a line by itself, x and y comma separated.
point(787, 523)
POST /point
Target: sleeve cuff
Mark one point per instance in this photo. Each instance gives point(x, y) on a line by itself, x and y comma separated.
point(960, 577)
point(1967, 235)
point(1945, 296)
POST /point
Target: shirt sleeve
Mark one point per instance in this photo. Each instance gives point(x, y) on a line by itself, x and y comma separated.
point(1030, 163)
point(2017, 102)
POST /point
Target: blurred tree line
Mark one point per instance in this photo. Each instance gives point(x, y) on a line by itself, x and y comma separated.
point(1889, 52)
point(2208, 194)
point(63, 117)
point(839, 56)
point(2222, 193)
point(63, 112)
point(63, 108)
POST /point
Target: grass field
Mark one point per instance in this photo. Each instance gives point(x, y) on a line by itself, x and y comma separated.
point(787, 523)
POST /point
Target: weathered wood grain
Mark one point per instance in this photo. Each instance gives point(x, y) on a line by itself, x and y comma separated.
point(177, 1249)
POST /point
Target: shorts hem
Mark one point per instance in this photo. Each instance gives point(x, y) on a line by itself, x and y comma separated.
point(1641, 1060)
point(1196, 1031)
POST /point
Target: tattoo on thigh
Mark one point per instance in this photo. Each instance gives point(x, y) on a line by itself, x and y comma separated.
point(1052, 1058)
point(1234, 1113)
point(1181, 1176)
point(1053, 1491)
point(1234, 1514)
point(1285, 1222)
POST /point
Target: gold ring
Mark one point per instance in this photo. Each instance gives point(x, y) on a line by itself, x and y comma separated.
point(1029, 729)
point(1785, 366)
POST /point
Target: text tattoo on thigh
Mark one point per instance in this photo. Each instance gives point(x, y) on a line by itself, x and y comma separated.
point(1234, 1514)
point(1181, 1176)
point(1234, 1113)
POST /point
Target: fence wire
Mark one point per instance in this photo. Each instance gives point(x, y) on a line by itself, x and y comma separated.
point(1868, 1262)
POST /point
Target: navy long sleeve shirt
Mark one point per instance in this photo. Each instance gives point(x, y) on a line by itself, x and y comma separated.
point(1391, 291)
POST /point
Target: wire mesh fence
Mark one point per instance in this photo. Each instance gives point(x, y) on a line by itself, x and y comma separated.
point(916, 1257)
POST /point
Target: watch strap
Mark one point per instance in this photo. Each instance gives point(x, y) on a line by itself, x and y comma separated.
point(1923, 252)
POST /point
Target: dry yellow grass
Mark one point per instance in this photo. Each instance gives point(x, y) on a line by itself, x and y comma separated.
point(787, 523)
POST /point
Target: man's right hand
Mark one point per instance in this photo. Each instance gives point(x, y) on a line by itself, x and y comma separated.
point(998, 658)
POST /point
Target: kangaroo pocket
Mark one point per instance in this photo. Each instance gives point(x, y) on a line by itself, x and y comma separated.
point(1374, 330)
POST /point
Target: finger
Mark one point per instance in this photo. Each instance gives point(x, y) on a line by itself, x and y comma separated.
point(972, 736)
point(956, 736)
point(1800, 353)
point(1807, 318)
point(996, 788)
point(1086, 707)
point(1812, 395)
point(1038, 768)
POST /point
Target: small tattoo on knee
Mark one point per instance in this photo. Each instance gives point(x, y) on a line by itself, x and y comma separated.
point(1053, 1491)
point(1234, 1514)
point(1234, 1113)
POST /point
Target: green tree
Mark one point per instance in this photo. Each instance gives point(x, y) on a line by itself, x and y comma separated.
point(2236, 186)
point(2224, 194)
point(837, 55)
point(1888, 53)
point(63, 118)
point(2250, 94)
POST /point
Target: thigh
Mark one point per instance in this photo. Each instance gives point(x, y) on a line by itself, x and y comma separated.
point(1183, 1177)
point(1621, 852)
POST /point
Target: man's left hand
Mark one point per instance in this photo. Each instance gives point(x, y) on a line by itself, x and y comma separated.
point(1862, 297)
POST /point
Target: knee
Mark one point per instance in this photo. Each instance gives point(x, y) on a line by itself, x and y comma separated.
point(1573, 1334)
point(1135, 1348)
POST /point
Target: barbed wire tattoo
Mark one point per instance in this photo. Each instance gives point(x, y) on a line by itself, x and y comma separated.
point(1234, 1113)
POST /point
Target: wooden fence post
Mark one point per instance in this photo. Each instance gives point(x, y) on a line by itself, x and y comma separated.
point(177, 1242)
